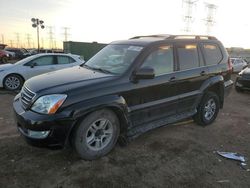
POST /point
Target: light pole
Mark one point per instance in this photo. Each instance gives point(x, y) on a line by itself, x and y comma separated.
point(36, 23)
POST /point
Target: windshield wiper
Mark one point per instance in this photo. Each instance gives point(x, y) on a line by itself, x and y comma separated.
point(102, 70)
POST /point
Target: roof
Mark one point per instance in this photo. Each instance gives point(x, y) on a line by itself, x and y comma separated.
point(148, 39)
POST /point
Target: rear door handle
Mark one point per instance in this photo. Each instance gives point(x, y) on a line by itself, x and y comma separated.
point(203, 73)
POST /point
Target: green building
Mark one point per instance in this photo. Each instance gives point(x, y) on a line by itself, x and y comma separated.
point(84, 49)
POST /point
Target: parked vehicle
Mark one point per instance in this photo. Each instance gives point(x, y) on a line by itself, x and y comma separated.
point(12, 76)
point(238, 64)
point(126, 89)
point(243, 80)
point(20, 53)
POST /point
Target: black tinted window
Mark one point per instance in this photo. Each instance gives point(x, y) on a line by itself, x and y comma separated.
point(161, 60)
point(64, 60)
point(213, 54)
point(188, 56)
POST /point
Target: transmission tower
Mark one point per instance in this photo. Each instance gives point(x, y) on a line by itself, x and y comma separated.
point(11, 43)
point(188, 13)
point(17, 39)
point(28, 37)
point(51, 36)
point(2, 39)
point(66, 33)
point(210, 18)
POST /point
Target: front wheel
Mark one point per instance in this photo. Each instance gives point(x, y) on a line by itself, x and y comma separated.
point(96, 135)
point(208, 109)
point(13, 82)
point(4, 60)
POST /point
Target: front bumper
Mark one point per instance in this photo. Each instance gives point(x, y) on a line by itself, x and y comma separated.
point(42, 130)
point(242, 83)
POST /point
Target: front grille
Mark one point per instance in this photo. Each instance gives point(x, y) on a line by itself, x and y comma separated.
point(26, 97)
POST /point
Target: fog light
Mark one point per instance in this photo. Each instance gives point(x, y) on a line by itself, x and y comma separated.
point(38, 134)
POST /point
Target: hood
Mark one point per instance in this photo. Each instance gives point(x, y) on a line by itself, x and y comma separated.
point(65, 79)
point(6, 66)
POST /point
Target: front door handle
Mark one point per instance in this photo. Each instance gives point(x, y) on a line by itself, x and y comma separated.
point(203, 73)
point(172, 79)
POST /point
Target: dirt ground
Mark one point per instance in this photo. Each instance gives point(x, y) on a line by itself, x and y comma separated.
point(181, 155)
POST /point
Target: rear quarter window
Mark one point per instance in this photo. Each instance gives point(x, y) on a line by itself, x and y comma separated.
point(212, 54)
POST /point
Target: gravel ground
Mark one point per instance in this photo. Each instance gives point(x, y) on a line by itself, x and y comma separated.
point(180, 155)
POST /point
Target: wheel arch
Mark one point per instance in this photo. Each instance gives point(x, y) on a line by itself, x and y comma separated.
point(116, 104)
point(215, 85)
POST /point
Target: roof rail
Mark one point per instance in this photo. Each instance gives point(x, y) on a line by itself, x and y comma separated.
point(167, 36)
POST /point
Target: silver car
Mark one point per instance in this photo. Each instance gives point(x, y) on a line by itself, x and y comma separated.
point(12, 76)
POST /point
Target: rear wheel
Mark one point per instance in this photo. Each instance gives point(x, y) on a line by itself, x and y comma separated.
point(96, 135)
point(13, 82)
point(208, 109)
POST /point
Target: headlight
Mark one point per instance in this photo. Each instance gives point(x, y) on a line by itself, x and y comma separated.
point(48, 104)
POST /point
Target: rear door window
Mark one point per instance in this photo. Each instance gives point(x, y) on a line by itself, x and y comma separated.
point(212, 54)
point(188, 57)
point(64, 60)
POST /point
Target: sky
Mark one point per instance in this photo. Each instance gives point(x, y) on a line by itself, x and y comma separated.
point(108, 20)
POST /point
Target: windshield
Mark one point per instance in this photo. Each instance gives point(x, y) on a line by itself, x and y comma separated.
point(114, 58)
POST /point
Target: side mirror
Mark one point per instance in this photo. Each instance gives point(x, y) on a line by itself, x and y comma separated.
point(144, 73)
point(32, 65)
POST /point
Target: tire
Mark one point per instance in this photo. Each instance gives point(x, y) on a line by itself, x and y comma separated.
point(96, 135)
point(4, 60)
point(13, 82)
point(209, 101)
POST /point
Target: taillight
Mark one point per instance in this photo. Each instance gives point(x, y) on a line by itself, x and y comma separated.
point(230, 65)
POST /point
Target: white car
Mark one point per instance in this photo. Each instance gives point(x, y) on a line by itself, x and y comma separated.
point(238, 64)
point(12, 76)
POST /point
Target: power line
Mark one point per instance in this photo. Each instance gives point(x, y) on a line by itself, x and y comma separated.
point(2, 39)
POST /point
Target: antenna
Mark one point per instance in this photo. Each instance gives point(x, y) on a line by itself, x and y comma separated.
point(210, 18)
point(188, 15)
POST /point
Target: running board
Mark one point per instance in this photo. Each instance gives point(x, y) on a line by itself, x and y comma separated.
point(140, 129)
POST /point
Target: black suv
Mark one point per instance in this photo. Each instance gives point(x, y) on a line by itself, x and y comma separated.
point(127, 88)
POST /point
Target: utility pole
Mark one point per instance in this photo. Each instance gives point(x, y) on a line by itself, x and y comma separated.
point(188, 15)
point(66, 33)
point(210, 18)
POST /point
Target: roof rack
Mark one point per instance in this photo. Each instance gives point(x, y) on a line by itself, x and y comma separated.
point(167, 36)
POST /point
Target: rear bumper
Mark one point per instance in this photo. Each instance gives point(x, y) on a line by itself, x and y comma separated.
point(228, 85)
